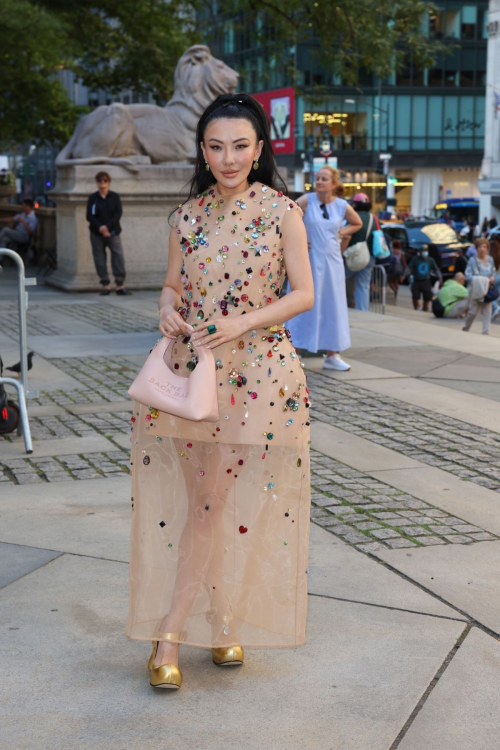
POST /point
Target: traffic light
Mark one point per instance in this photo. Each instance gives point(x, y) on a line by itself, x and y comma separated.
point(379, 167)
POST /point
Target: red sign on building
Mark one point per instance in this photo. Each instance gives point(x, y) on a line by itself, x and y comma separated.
point(280, 106)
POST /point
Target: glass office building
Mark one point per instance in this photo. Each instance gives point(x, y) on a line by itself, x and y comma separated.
point(430, 120)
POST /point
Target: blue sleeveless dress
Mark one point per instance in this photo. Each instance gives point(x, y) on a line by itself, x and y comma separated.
point(326, 326)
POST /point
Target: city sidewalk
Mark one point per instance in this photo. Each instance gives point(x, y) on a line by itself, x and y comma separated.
point(404, 593)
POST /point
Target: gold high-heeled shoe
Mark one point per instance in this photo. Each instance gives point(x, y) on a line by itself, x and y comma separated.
point(165, 675)
point(224, 655)
point(231, 656)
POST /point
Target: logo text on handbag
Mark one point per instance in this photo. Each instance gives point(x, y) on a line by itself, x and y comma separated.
point(168, 389)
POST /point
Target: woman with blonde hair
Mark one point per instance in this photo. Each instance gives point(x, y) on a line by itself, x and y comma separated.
point(362, 204)
point(326, 326)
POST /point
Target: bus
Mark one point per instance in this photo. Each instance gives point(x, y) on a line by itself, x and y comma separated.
point(459, 209)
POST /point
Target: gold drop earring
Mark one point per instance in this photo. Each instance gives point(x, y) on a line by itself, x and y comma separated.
point(206, 166)
point(256, 164)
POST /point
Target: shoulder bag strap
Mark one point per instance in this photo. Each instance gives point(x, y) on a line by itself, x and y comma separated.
point(370, 225)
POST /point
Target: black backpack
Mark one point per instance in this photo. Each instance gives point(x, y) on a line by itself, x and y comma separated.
point(9, 412)
point(437, 308)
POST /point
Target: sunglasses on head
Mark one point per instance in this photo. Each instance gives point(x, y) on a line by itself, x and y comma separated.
point(324, 211)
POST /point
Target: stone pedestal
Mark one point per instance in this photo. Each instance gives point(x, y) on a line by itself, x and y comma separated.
point(148, 198)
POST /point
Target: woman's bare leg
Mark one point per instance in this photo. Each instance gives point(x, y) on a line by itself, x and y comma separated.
point(201, 543)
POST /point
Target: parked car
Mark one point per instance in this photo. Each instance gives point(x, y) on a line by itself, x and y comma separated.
point(444, 244)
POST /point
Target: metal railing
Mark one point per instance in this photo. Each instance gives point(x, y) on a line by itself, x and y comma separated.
point(21, 387)
point(378, 284)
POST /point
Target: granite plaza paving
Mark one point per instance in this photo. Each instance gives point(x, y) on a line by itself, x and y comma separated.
point(404, 594)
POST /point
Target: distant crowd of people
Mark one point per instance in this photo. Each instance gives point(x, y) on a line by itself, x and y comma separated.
point(475, 287)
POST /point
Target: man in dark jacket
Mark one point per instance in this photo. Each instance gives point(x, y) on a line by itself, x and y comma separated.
point(104, 210)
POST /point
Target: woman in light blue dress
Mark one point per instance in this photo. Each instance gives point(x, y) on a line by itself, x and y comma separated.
point(326, 326)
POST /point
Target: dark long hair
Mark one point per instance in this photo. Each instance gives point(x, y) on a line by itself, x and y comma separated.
point(237, 107)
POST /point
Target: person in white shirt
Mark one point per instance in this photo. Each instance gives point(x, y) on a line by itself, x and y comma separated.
point(25, 226)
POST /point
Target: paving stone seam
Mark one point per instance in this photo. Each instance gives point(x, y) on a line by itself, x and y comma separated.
point(468, 618)
point(462, 355)
point(425, 697)
point(472, 620)
point(387, 606)
point(59, 554)
point(29, 572)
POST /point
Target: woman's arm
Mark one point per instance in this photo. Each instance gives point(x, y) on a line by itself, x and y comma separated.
point(299, 299)
point(303, 201)
point(354, 222)
point(171, 323)
point(469, 271)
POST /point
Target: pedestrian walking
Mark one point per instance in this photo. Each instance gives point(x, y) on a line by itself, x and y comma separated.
point(221, 509)
point(326, 326)
point(480, 275)
point(104, 211)
point(25, 224)
point(369, 222)
point(397, 266)
point(421, 268)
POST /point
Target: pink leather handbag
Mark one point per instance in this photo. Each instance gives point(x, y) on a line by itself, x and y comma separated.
point(158, 386)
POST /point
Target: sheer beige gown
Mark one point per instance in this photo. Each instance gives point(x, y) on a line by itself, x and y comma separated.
point(221, 511)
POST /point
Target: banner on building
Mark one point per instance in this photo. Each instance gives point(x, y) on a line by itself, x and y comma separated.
point(280, 106)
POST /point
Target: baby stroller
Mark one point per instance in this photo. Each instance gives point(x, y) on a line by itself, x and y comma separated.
point(9, 411)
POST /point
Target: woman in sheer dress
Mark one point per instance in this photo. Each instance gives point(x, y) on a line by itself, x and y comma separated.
point(221, 510)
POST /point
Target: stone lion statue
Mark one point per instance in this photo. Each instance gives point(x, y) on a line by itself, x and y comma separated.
point(133, 134)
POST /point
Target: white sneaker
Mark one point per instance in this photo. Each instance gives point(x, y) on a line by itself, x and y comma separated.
point(335, 362)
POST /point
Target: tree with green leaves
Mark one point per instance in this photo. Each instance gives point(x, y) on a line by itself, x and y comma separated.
point(109, 44)
point(135, 44)
point(127, 44)
point(34, 105)
point(345, 37)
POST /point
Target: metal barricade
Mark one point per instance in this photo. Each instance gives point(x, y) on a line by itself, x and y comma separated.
point(22, 387)
point(378, 283)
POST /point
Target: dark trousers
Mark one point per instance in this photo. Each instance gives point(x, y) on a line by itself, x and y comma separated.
point(99, 244)
point(422, 287)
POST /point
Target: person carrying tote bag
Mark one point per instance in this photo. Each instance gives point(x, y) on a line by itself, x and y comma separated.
point(362, 276)
point(357, 255)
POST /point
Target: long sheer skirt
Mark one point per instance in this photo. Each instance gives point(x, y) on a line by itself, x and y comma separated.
point(221, 519)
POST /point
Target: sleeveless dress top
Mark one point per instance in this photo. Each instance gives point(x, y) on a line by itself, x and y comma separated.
point(326, 325)
point(220, 521)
